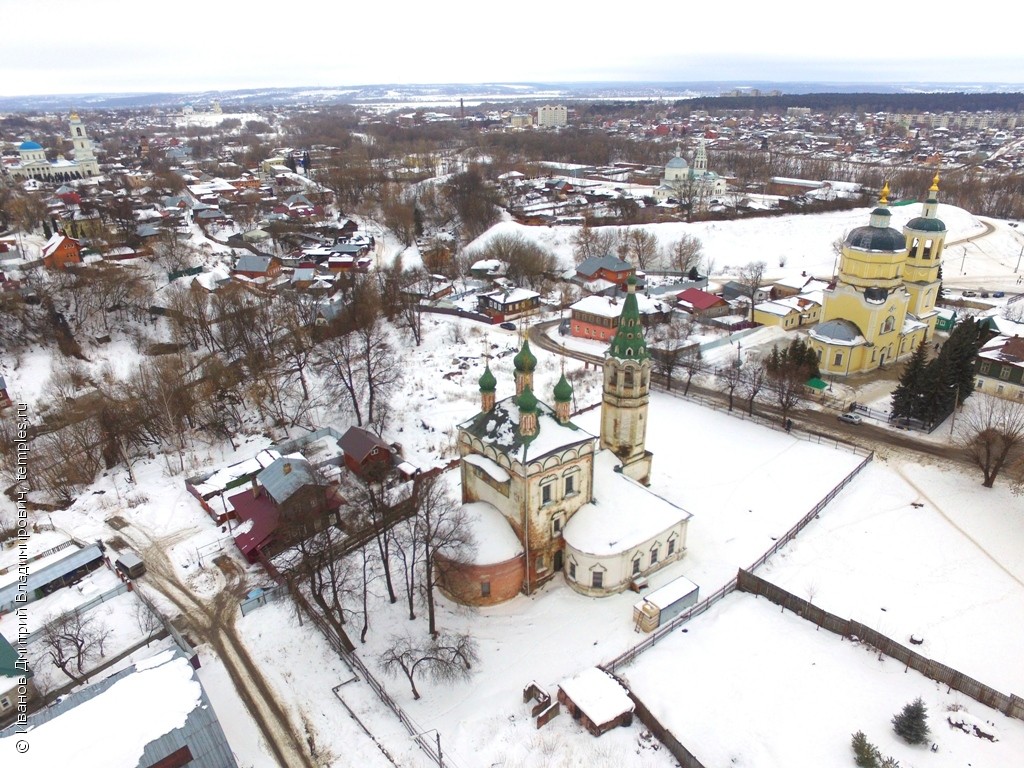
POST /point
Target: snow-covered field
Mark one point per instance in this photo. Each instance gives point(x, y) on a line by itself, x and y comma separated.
point(794, 244)
point(746, 685)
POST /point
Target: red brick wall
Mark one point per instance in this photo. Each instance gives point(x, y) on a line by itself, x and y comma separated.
point(462, 582)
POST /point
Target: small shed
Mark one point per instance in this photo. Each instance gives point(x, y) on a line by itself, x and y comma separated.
point(597, 700)
point(665, 604)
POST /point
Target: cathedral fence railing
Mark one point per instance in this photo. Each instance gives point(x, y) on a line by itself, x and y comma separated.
point(345, 649)
point(699, 608)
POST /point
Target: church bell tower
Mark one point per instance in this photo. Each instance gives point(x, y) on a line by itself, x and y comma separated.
point(627, 383)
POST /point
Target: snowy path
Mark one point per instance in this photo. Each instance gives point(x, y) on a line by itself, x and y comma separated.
point(213, 622)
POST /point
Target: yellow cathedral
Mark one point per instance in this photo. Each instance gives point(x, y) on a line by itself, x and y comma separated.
point(882, 304)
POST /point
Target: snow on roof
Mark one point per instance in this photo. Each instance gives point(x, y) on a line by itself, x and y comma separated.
point(600, 696)
point(495, 540)
point(775, 308)
point(599, 528)
point(672, 592)
point(492, 468)
point(500, 429)
point(793, 281)
point(1004, 349)
point(41, 572)
point(228, 477)
point(511, 296)
point(610, 306)
point(109, 725)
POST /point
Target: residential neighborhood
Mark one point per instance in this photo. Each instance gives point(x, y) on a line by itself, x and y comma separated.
point(466, 434)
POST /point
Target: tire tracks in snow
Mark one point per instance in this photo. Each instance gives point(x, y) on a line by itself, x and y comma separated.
point(898, 466)
point(214, 623)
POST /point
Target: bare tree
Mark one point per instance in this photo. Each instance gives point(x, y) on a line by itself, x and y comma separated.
point(693, 365)
point(442, 532)
point(525, 261)
point(72, 641)
point(991, 434)
point(750, 277)
point(593, 241)
point(640, 247)
point(360, 366)
point(446, 658)
point(315, 563)
point(685, 253)
point(752, 383)
point(669, 347)
point(731, 376)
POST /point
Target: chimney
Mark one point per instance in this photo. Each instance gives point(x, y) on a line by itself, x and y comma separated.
point(287, 468)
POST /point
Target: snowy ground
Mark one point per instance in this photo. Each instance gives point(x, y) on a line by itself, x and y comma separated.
point(794, 244)
point(949, 570)
point(746, 685)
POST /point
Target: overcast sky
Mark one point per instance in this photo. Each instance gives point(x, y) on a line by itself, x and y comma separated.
point(99, 46)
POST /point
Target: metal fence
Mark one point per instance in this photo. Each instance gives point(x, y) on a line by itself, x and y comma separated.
point(254, 601)
point(1008, 704)
point(345, 650)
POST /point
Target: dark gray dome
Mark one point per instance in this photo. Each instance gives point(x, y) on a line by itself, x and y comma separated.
point(924, 224)
point(837, 330)
point(877, 239)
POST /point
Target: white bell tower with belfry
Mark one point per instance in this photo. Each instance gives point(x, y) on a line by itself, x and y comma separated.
point(84, 156)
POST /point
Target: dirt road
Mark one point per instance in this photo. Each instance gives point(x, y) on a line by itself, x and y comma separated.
point(213, 621)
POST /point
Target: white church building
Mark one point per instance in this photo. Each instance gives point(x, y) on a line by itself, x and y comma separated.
point(32, 162)
point(682, 182)
point(577, 503)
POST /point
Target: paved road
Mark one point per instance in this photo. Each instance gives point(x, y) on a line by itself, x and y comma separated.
point(824, 423)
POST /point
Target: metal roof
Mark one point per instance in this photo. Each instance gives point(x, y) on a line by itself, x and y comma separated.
point(285, 476)
point(201, 732)
point(53, 571)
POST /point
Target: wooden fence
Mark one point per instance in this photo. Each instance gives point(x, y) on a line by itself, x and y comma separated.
point(1008, 704)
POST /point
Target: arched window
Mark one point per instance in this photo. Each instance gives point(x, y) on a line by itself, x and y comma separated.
point(889, 324)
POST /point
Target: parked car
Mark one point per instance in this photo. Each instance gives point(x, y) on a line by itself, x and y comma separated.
point(998, 294)
point(508, 326)
point(970, 293)
point(850, 418)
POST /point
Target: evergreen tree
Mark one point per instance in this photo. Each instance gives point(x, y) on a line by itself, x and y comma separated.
point(912, 723)
point(907, 396)
point(936, 397)
point(963, 345)
point(865, 753)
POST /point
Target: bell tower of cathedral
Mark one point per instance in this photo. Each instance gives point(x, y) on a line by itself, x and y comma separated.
point(627, 383)
point(926, 240)
point(84, 156)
